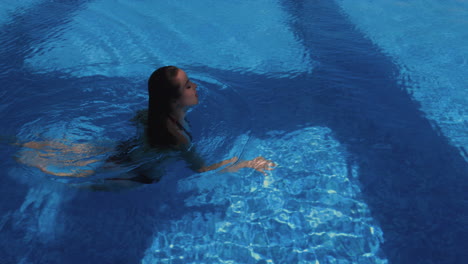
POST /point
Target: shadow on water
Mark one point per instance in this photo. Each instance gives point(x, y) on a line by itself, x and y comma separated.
point(411, 177)
point(93, 227)
point(97, 227)
point(413, 180)
point(32, 27)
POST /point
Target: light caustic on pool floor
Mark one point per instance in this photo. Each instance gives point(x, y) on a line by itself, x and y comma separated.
point(306, 211)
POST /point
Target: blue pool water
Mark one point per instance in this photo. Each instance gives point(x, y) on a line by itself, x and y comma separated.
point(362, 104)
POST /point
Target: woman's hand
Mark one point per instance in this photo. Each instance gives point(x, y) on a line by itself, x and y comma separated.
point(260, 164)
point(217, 165)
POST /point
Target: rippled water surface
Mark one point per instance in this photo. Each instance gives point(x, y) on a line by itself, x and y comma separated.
point(363, 106)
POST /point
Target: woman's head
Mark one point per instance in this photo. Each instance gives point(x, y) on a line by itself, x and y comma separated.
point(169, 91)
point(169, 88)
point(187, 90)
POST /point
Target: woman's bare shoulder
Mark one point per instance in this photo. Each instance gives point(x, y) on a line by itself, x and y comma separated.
point(182, 141)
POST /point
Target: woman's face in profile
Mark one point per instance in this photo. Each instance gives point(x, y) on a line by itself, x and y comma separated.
point(188, 90)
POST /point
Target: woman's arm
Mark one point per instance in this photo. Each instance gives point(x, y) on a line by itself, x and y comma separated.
point(260, 164)
point(196, 163)
point(217, 165)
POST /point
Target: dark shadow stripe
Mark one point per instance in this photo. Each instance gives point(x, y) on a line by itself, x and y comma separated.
point(413, 180)
point(32, 26)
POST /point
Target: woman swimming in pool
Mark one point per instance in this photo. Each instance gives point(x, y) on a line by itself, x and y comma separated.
point(171, 93)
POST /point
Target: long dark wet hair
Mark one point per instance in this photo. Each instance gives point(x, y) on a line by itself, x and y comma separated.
point(162, 90)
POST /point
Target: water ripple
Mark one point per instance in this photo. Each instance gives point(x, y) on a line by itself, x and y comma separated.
point(325, 221)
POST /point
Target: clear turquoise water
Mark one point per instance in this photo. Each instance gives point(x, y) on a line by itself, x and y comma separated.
point(363, 106)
